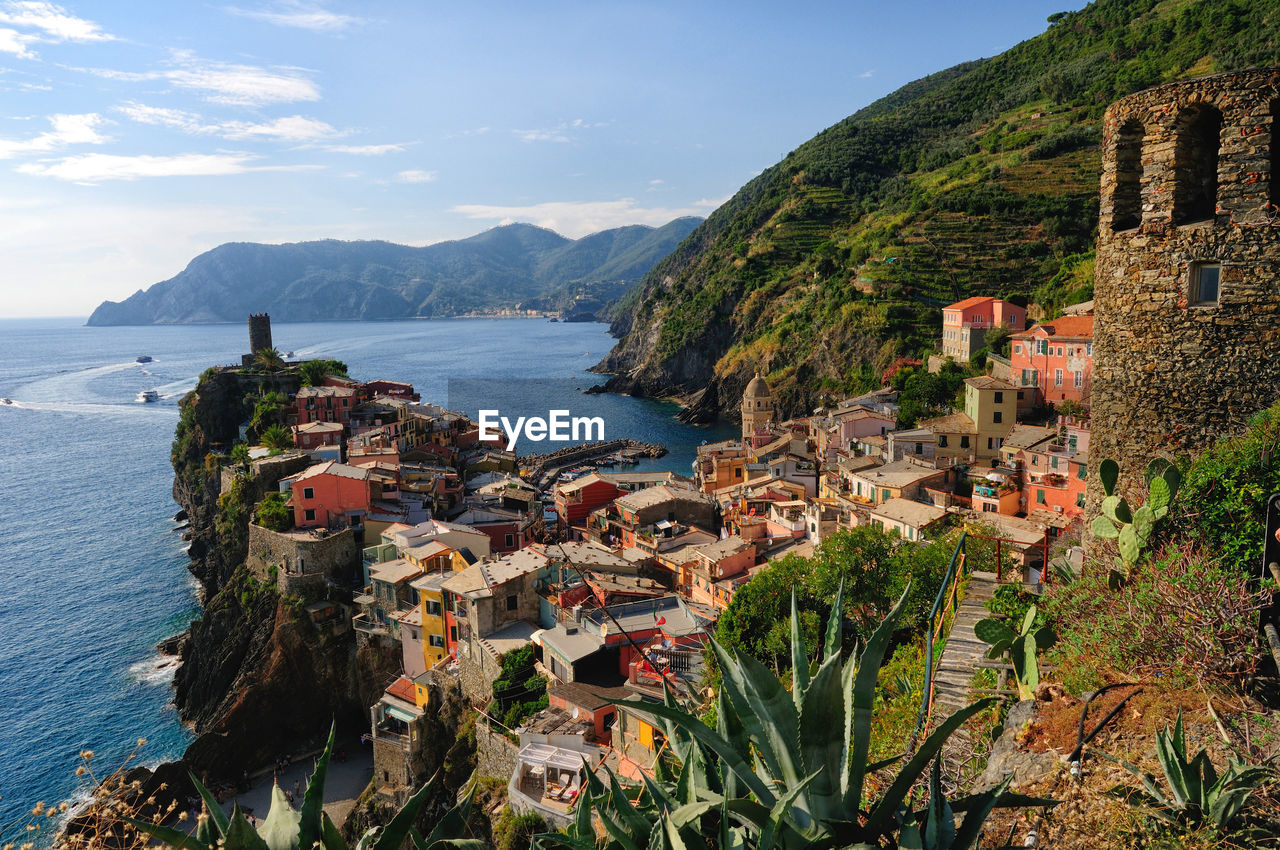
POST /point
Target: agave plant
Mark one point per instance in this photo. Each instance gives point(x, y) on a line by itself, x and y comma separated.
point(784, 769)
point(1197, 794)
point(286, 828)
point(1021, 646)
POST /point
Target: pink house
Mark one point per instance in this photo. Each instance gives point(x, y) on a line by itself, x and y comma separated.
point(1055, 359)
point(325, 404)
point(313, 435)
point(331, 495)
point(965, 324)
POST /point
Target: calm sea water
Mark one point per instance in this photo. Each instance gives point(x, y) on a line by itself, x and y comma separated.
point(92, 569)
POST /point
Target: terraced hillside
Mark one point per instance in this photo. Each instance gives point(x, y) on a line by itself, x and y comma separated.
point(979, 179)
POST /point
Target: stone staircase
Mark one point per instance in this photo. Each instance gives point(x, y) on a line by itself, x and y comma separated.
point(963, 650)
point(955, 671)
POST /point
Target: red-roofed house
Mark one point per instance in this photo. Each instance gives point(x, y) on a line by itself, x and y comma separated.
point(1055, 359)
point(965, 324)
point(576, 499)
point(325, 404)
point(331, 494)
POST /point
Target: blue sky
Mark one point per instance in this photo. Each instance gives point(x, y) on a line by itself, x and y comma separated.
point(135, 135)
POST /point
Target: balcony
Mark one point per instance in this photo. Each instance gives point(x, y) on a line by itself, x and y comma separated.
point(370, 626)
point(386, 731)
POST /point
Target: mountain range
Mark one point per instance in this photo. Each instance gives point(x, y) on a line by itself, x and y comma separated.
point(978, 180)
point(513, 266)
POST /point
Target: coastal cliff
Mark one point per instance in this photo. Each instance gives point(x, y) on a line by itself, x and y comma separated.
point(978, 180)
point(258, 677)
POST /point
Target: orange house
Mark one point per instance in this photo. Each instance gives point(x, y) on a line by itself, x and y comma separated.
point(1055, 359)
point(330, 495)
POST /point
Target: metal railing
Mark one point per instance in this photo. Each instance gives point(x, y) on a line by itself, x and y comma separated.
point(947, 590)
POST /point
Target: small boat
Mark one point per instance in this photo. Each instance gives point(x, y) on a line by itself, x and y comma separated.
point(148, 395)
point(143, 358)
point(554, 319)
point(6, 401)
point(288, 354)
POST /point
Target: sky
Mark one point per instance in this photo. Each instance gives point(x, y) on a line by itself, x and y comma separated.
point(136, 135)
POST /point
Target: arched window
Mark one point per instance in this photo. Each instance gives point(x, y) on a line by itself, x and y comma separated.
point(1195, 164)
point(1126, 204)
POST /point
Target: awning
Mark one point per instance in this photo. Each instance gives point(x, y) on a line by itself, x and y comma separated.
point(401, 714)
point(552, 756)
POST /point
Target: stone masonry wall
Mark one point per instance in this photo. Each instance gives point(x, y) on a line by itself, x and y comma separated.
point(1171, 375)
point(298, 556)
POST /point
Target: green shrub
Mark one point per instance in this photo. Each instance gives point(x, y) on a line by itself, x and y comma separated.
point(1181, 619)
point(274, 513)
point(514, 831)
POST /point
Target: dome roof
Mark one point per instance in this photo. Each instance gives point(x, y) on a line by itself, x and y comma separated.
point(757, 388)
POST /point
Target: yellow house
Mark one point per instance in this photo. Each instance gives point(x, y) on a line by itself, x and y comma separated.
point(990, 412)
point(431, 603)
point(433, 557)
point(992, 404)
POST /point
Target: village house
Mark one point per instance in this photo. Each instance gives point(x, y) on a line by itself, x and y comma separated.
point(898, 480)
point(720, 465)
point(975, 436)
point(398, 733)
point(431, 613)
point(1056, 472)
point(388, 593)
point(918, 443)
point(392, 389)
point(650, 513)
point(492, 607)
point(965, 324)
point(1054, 359)
point(322, 440)
point(717, 570)
point(598, 647)
point(332, 495)
point(508, 530)
point(911, 520)
point(325, 404)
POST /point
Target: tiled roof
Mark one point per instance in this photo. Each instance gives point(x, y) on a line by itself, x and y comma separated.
point(1064, 327)
point(402, 688)
point(914, 514)
point(986, 382)
point(970, 302)
point(321, 392)
point(332, 467)
point(951, 423)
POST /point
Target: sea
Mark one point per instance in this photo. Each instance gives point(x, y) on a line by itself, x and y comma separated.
point(92, 564)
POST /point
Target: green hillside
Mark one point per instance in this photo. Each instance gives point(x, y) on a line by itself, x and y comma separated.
point(981, 179)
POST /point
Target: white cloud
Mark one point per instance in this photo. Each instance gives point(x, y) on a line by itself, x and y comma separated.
point(294, 128)
point(576, 218)
point(656, 182)
point(42, 22)
point(225, 83)
point(561, 132)
point(99, 167)
point(299, 15)
point(711, 203)
point(366, 150)
point(67, 130)
point(866, 75)
point(416, 175)
point(14, 42)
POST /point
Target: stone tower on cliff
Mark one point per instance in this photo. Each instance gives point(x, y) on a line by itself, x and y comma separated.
point(259, 336)
point(757, 407)
point(1187, 281)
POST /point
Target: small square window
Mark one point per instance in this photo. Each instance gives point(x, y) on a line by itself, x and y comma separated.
point(999, 399)
point(1205, 281)
point(997, 417)
point(964, 442)
point(1057, 377)
point(309, 515)
point(308, 493)
point(1039, 497)
point(512, 602)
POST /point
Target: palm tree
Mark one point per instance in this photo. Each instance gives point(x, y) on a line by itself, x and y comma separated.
point(240, 457)
point(277, 437)
point(269, 359)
